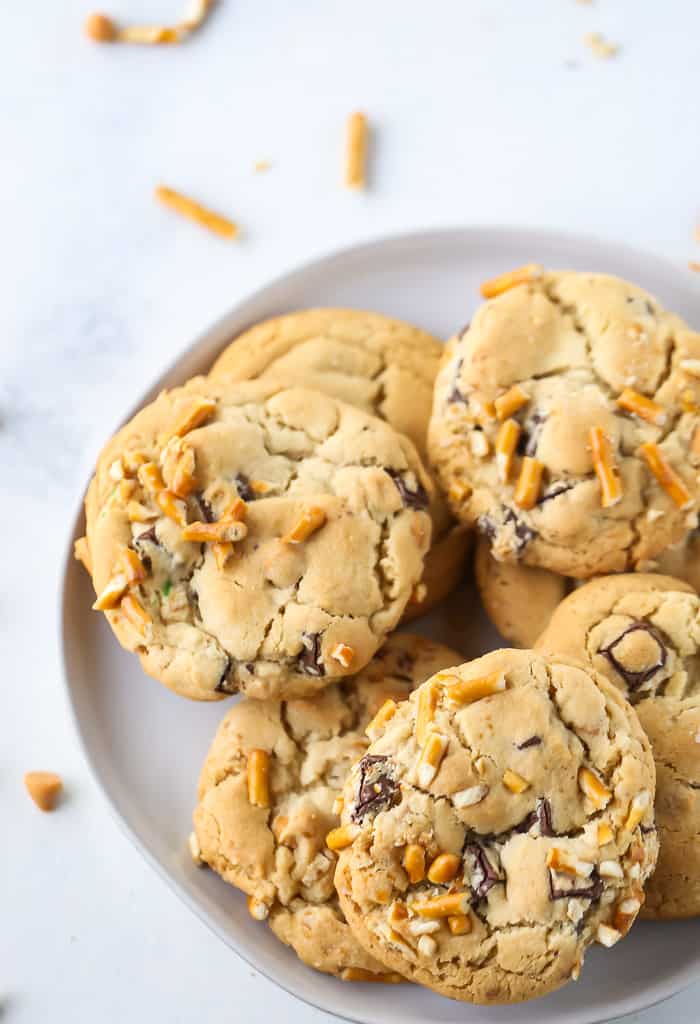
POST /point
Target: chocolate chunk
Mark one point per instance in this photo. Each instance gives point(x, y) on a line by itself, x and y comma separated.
point(635, 679)
point(245, 491)
point(479, 870)
point(591, 892)
point(405, 661)
point(646, 829)
point(530, 434)
point(378, 789)
point(149, 536)
point(141, 545)
point(487, 526)
point(309, 661)
point(205, 508)
point(541, 816)
point(523, 533)
point(554, 490)
point(533, 741)
point(225, 684)
point(417, 499)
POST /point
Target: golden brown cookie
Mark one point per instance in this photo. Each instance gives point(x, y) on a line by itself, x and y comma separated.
point(246, 536)
point(270, 841)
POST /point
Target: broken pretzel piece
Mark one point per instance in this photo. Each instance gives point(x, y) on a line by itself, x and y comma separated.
point(356, 156)
point(44, 788)
point(311, 519)
point(605, 468)
point(103, 29)
point(667, 477)
point(214, 222)
point(523, 275)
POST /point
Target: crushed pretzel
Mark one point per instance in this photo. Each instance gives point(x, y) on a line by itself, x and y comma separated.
point(356, 151)
point(523, 275)
point(385, 713)
point(506, 446)
point(605, 834)
point(425, 711)
point(135, 613)
point(599, 46)
point(44, 788)
point(342, 837)
point(444, 868)
point(222, 551)
point(195, 849)
point(591, 786)
point(459, 924)
point(343, 654)
point(513, 399)
point(172, 507)
point(466, 691)
point(137, 512)
point(150, 477)
point(181, 204)
point(607, 936)
point(414, 863)
point(224, 530)
point(193, 414)
point(450, 905)
point(640, 405)
point(561, 860)
point(637, 810)
point(459, 491)
point(527, 489)
point(605, 468)
point(258, 910)
point(694, 266)
point(667, 477)
point(112, 594)
point(102, 29)
point(514, 782)
point(625, 914)
point(132, 566)
point(361, 974)
point(258, 772)
point(430, 758)
point(311, 520)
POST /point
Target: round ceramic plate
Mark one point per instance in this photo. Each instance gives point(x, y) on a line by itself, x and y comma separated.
point(146, 745)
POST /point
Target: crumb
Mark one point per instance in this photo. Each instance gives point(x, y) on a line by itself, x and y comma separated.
point(261, 165)
point(694, 266)
point(599, 47)
point(100, 28)
point(200, 214)
point(44, 788)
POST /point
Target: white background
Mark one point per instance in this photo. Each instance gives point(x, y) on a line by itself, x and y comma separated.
point(484, 112)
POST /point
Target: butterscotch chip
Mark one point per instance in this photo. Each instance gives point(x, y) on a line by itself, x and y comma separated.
point(44, 788)
point(282, 850)
point(519, 868)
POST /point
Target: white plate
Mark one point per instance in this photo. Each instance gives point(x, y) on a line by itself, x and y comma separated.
point(146, 745)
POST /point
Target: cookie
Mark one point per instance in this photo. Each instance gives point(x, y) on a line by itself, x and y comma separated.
point(565, 425)
point(246, 536)
point(519, 599)
point(378, 364)
point(643, 633)
point(500, 824)
point(274, 848)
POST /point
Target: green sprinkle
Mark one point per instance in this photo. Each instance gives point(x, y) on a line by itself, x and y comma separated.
point(167, 587)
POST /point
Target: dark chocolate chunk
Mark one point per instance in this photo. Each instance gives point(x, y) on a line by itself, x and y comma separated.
point(225, 684)
point(530, 434)
point(378, 789)
point(555, 490)
point(591, 892)
point(541, 816)
point(417, 499)
point(487, 526)
point(533, 741)
point(148, 537)
point(309, 661)
point(206, 509)
point(245, 491)
point(523, 533)
point(406, 662)
point(479, 870)
point(635, 679)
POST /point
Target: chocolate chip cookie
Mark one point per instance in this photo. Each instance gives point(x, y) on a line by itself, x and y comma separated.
point(269, 792)
point(643, 633)
point(247, 536)
point(378, 364)
point(565, 424)
point(500, 824)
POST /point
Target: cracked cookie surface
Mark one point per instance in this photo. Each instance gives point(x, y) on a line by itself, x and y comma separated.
point(500, 824)
point(643, 633)
point(277, 854)
point(517, 397)
point(246, 536)
point(378, 364)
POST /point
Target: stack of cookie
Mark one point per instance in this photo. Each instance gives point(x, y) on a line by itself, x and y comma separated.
point(391, 812)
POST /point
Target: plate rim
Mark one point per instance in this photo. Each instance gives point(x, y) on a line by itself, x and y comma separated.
point(210, 337)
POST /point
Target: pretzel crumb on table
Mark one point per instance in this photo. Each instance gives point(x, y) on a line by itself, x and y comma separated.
point(356, 154)
point(195, 211)
point(694, 266)
point(599, 46)
point(44, 788)
point(103, 29)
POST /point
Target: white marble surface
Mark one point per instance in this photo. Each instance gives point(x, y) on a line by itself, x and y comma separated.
point(485, 112)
